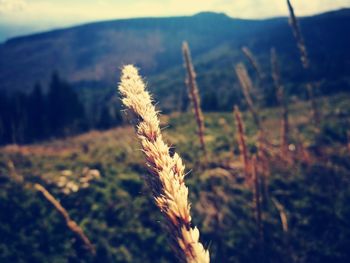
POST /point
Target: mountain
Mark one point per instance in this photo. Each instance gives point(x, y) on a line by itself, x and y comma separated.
point(327, 46)
point(90, 55)
point(94, 52)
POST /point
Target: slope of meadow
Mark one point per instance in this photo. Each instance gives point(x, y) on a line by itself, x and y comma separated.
point(98, 177)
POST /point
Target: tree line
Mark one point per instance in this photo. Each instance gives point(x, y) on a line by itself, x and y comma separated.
point(59, 112)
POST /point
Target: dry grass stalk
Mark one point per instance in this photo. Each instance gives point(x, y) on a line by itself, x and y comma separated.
point(194, 93)
point(284, 131)
point(304, 57)
point(242, 143)
point(298, 36)
point(282, 213)
point(284, 221)
point(72, 225)
point(247, 87)
point(167, 179)
point(253, 61)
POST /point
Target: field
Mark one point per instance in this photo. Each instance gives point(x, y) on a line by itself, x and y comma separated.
point(99, 178)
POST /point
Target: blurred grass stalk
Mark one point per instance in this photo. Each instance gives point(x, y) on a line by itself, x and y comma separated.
point(72, 225)
point(282, 213)
point(167, 179)
point(247, 87)
point(193, 93)
point(304, 60)
point(254, 62)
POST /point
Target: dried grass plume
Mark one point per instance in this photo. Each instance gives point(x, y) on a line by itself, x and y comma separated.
point(247, 87)
point(304, 59)
point(167, 172)
point(298, 36)
point(253, 61)
point(193, 93)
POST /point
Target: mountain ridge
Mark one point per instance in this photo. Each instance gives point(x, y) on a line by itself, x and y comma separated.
point(93, 52)
point(337, 11)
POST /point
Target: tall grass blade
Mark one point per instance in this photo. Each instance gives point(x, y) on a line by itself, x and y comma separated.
point(194, 93)
point(167, 171)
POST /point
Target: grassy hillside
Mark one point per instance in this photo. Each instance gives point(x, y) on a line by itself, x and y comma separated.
point(117, 213)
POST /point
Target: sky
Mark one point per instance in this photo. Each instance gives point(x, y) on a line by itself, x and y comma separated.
point(26, 16)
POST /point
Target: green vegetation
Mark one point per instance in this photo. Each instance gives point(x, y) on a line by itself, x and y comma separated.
point(118, 214)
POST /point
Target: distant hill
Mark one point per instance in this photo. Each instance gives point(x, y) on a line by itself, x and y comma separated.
point(91, 54)
point(327, 45)
point(94, 52)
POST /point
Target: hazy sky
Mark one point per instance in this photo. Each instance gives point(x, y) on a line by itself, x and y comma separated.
point(45, 14)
